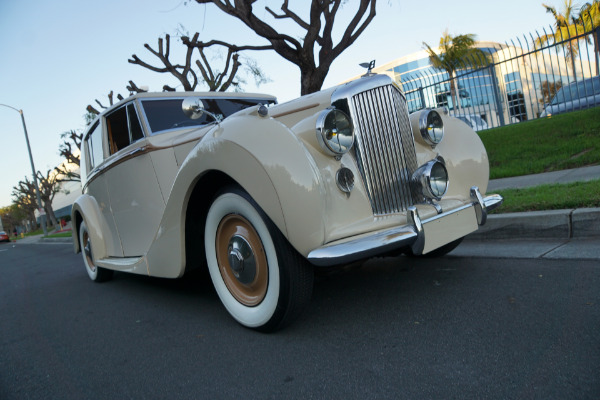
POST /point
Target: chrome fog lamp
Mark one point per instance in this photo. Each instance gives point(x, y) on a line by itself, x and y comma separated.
point(345, 179)
point(432, 179)
point(431, 127)
point(335, 132)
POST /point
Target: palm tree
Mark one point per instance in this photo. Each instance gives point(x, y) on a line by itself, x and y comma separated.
point(456, 52)
point(589, 17)
point(567, 30)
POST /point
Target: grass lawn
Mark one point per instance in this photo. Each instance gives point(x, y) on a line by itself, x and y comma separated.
point(551, 197)
point(547, 144)
point(40, 231)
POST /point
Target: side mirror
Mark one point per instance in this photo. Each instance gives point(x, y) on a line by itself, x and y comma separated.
point(193, 107)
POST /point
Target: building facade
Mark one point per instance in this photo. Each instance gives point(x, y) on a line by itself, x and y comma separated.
point(517, 83)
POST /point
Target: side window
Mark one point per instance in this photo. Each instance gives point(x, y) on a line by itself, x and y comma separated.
point(118, 132)
point(123, 128)
point(134, 124)
point(94, 143)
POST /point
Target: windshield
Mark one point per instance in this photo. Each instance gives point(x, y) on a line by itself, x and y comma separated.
point(167, 114)
point(574, 91)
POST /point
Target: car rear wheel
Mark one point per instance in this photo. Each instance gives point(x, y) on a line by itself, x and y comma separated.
point(97, 274)
point(261, 280)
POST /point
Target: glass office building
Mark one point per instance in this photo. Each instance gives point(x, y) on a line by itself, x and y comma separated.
point(513, 87)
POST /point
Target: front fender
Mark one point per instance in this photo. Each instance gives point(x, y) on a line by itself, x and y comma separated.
point(465, 156)
point(270, 163)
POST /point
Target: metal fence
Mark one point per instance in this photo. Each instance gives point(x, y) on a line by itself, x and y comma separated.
point(519, 81)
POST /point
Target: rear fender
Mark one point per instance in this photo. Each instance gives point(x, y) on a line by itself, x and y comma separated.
point(85, 208)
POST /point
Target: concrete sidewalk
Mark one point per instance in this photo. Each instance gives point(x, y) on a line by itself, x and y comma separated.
point(555, 249)
point(564, 176)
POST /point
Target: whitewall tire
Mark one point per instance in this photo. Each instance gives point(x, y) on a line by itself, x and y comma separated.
point(97, 274)
point(261, 280)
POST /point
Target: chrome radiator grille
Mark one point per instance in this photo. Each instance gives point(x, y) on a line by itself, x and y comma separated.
point(385, 150)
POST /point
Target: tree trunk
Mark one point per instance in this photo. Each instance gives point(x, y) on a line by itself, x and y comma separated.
point(453, 94)
point(50, 213)
point(311, 79)
point(596, 37)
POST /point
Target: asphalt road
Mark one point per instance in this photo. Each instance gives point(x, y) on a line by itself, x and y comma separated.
point(389, 328)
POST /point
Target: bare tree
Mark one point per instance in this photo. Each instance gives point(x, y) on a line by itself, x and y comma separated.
point(70, 149)
point(318, 27)
point(23, 195)
point(185, 73)
point(48, 189)
point(132, 87)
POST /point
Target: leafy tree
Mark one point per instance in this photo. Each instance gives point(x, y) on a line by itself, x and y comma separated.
point(316, 43)
point(12, 217)
point(567, 30)
point(456, 52)
point(589, 17)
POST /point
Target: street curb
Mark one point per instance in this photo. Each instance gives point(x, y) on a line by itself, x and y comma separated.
point(56, 240)
point(551, 224)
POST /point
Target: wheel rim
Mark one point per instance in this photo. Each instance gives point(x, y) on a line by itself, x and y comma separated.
point(242, 261)
point(87, 249)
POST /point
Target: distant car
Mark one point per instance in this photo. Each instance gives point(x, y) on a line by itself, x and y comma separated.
point(574, 96)
point(261, 193)
point(4, 237)
point(474, 121)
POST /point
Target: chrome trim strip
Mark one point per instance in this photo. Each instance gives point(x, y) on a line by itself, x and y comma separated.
point(118, 263)
point(363, 247)
point(369, 245)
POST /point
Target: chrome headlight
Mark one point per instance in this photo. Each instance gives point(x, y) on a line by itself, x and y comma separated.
point(432, 179)
point(335, 132)
point(431, 127)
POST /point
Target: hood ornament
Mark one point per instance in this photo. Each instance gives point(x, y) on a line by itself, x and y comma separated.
point(369, 66)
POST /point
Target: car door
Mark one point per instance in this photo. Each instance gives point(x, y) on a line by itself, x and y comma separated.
point(135, 196)
point(92, 168)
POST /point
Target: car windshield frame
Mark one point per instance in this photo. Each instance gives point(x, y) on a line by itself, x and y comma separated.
point(164, 114)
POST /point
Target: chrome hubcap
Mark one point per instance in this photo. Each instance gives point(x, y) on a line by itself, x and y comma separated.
point(87, 249)
point(241, 259)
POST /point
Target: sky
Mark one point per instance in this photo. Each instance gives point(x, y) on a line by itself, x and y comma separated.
point(56, 57)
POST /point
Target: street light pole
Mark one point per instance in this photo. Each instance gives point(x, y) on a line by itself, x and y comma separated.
point(35, 181)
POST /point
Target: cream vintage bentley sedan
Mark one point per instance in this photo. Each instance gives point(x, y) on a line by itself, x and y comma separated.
point(262, 193)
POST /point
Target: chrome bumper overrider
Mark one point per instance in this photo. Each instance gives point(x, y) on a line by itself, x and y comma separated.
point(411, 234)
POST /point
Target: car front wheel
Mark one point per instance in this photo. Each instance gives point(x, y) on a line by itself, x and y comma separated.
point(97, 274)
point(261, 280)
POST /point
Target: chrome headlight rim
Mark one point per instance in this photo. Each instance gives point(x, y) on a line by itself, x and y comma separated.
point(429, 176)
point(432, 134)
point(331, 146)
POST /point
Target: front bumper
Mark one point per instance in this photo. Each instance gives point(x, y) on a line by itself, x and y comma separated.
point(415, 234)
